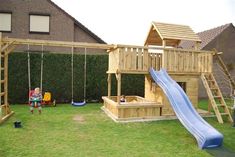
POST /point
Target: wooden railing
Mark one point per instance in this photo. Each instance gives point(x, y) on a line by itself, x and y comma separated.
point(139, 59)
point(181, 61)
point(133, 59)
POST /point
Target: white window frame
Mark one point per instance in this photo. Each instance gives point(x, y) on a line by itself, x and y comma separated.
point(39, 23)
point(8, 26)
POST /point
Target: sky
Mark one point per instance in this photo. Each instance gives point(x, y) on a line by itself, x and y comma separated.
point(128, 21)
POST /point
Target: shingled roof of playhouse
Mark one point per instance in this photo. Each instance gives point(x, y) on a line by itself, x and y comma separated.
point(171, 33)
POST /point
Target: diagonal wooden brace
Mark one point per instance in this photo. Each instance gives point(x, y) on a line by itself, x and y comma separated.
point(7, 46)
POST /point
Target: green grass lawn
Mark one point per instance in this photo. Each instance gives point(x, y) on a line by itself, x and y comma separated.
point(93, 134)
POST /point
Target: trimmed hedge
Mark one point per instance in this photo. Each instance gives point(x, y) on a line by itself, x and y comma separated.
point(57, 77)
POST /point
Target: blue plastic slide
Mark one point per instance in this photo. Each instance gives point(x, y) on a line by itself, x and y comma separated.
point(205, 134)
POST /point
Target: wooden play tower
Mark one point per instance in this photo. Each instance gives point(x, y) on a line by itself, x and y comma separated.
point(161, 50)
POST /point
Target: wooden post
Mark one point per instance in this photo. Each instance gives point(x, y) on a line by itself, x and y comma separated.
point(209, 106)
point(197, 45)
point(118, 76)
point(0, 72)
point(164, 54)
point(164, 43)
point(109, 84)
point(6, 81)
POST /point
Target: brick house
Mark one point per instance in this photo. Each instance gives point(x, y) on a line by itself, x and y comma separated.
point(42, 19)
point(223, 39)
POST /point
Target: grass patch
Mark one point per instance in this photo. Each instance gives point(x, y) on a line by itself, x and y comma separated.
point(87, 131)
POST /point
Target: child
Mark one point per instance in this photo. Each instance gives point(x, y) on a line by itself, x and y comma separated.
point(123, 98)
point(35, 100)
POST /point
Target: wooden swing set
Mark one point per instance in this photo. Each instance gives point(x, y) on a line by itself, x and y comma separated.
point(7, 45)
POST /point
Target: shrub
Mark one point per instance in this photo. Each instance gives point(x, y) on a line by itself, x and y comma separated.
point(57, 77)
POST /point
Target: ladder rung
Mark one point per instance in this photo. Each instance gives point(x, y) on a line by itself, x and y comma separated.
point(220, 105)
point(224, 114)
point(2, 55)
point(210, 80)
point(214, 88)
point(2, 68)
point(2, 81)
point(217, 96)
point(3, 93)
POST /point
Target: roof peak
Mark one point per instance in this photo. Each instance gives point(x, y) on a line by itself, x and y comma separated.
point(165, 23)
point(217, 27)
point(79, 24)
point(208, 35)
point(172, 34)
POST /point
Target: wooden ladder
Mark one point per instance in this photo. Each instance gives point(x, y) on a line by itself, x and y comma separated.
point(216, 98)
point(4, 106)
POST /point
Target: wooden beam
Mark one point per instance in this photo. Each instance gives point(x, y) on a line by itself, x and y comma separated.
point(6, 79)
point(1, 67)
point(52, 43)
point(197, 45)
point(163, 43)
point(6, 117)
point(119, 85)
point(9, 49)
point(2, 93)
point(6, 46)
point(109, 84)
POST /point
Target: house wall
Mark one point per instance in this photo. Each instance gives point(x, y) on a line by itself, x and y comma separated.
point(223, 43)
point(62, 26)
point(154, 92)
point(81, 36)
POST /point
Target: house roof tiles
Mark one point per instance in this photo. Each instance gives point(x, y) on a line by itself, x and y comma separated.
point(206, 36)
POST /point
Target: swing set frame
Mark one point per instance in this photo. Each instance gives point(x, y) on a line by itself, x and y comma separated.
point(8, 45)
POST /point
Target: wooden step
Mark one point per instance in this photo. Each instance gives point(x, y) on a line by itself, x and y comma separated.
point(2, 81)
point(2, 69)
point(220, 105)
point(3, 105)
point(217, 96)
point(213, 88)
point(3, 93)
point(224, 114)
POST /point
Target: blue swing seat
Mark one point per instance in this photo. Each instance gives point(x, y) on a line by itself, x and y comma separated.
point(78, 104)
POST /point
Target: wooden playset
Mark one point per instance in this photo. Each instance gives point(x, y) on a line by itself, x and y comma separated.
point(161, 50)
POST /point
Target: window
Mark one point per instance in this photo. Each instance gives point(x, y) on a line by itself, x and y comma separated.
point(5, 22)
point(39, 24)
